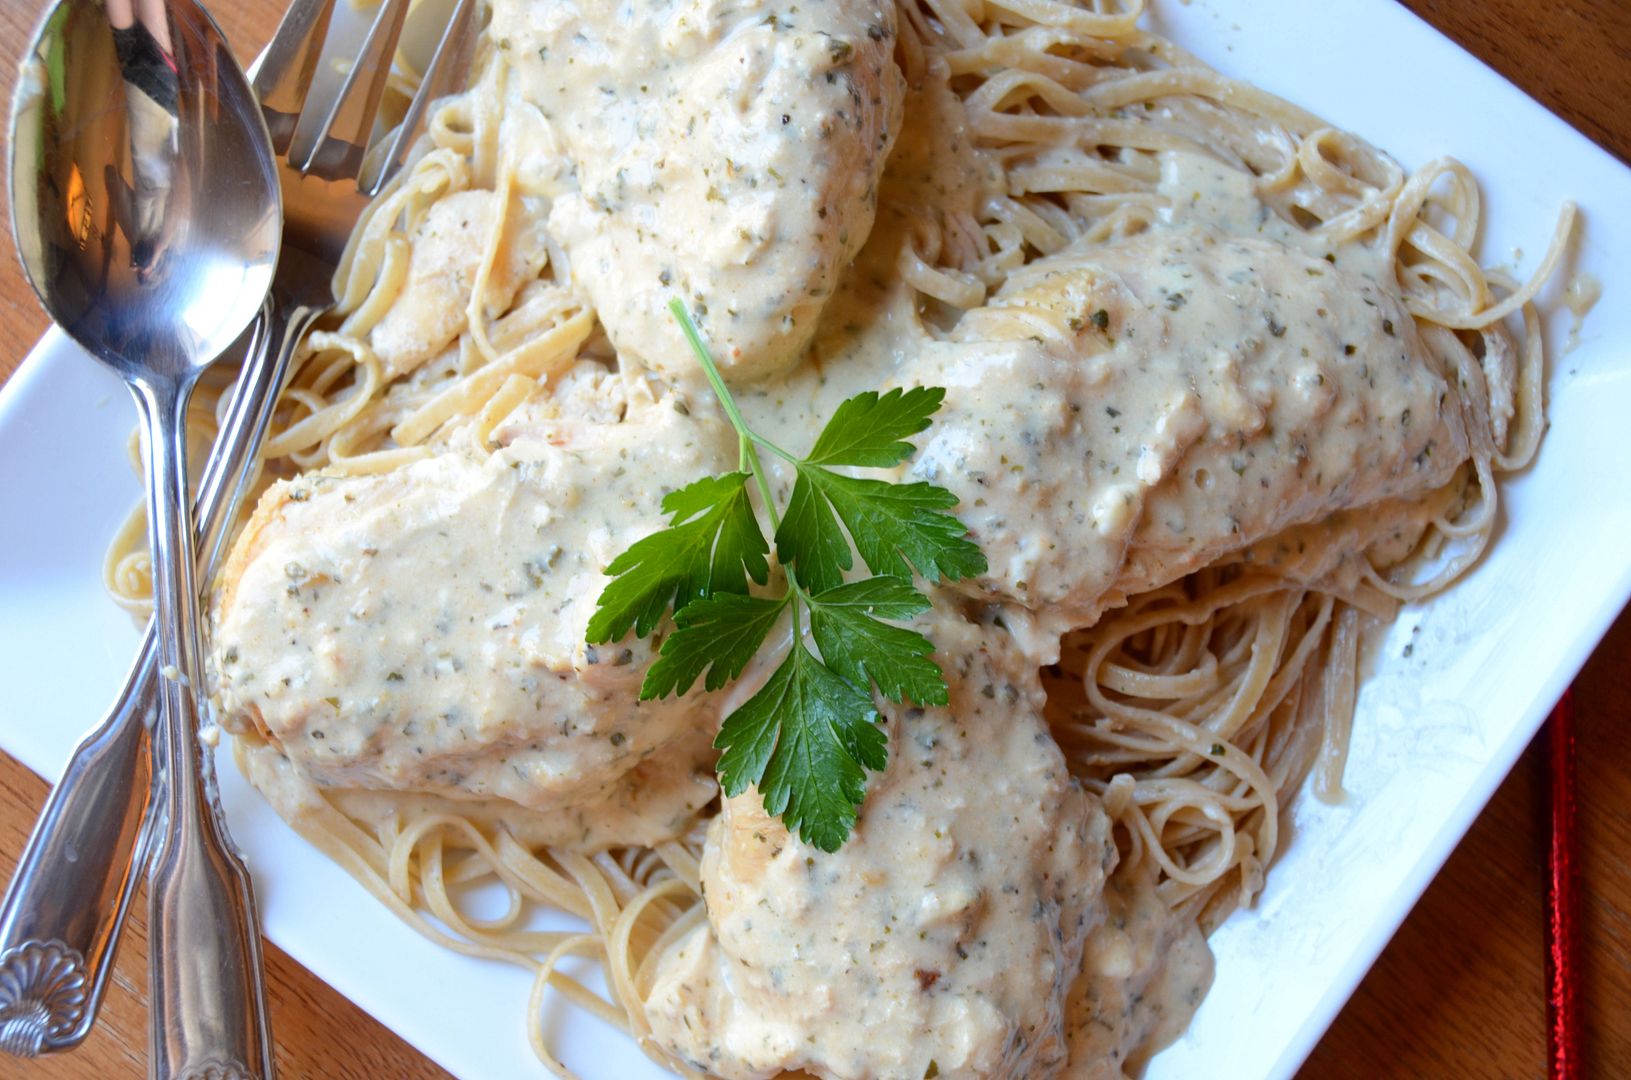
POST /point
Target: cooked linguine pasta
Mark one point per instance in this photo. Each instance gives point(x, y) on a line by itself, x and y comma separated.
point(1225, 387)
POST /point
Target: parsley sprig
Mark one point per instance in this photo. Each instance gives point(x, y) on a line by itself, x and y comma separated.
point(807, 737)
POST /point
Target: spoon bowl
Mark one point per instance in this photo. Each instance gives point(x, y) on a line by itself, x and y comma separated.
point(146, 208)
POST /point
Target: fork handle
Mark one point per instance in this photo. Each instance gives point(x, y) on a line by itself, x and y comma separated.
point(63, 911)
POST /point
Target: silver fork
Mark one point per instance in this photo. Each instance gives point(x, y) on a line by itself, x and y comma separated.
point(328, 174)
point(61, 918)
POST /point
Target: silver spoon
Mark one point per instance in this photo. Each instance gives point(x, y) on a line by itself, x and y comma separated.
point(148, 216)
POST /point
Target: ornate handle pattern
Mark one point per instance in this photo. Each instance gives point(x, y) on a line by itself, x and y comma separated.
point(44, 992)
point(66, 903)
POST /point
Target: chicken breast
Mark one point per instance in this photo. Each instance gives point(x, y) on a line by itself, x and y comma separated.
point(1120, 416)
point(423, 630)
point(446, 256)
point(940, 940)
point(726, 154)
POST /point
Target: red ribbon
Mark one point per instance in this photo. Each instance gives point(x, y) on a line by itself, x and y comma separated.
point(1562, 947)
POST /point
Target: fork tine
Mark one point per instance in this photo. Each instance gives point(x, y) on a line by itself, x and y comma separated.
point(445, 70)
point(284, 71)
point(338, 146)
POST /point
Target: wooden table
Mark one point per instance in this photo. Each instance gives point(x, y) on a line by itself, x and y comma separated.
point(1459, 992)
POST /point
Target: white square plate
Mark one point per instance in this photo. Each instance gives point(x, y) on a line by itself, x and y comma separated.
point(1435, 734)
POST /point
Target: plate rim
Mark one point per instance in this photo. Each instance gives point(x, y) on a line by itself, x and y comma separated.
point(1449, 832)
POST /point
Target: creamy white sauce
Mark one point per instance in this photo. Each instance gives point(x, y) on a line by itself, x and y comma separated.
point(726, 153)
point(423, 630)
point(1145, 970)
point(940, 939)
point(655, 801)
point(1116, 416)
point(432, 308)
point(1121, 416)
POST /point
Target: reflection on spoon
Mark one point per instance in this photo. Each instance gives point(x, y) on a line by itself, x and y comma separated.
point(141, 39)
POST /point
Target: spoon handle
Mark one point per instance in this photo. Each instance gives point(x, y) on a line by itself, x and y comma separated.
point(207, 1004)
point(63, 911)
point(60, 923)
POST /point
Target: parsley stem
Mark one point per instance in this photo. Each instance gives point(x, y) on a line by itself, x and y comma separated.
point(791, 459)
point(709, 368)
point(746, 434)
point(794, 593)
point(764, 489)
point(748, 453)
point(758, 471)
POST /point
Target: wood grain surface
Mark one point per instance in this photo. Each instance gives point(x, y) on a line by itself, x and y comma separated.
point(1458, 994)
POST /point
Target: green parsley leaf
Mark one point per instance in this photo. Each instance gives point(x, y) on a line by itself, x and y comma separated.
point(809, 735)
point(713, 544)
point(860, 648)
point(895, 527)
point(810, 541)
point(719, 633)
point(806, 738)
point(871, 431)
